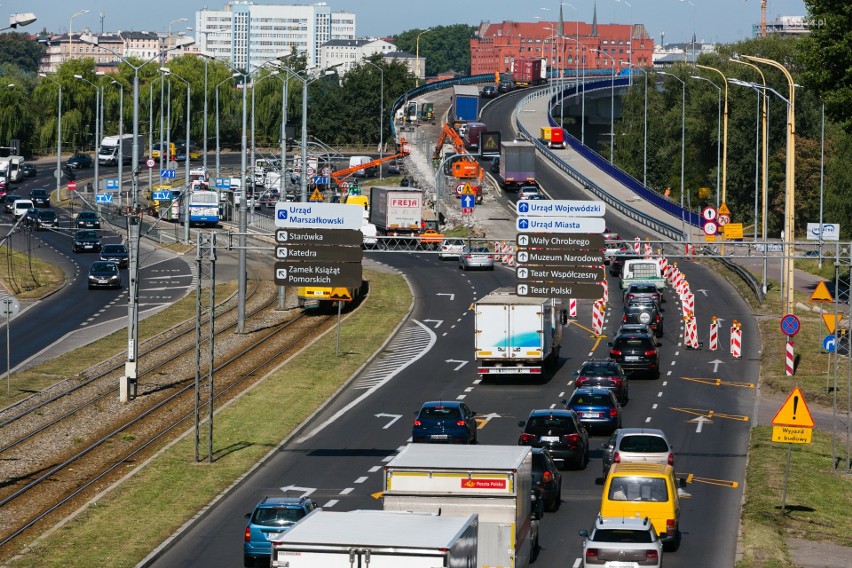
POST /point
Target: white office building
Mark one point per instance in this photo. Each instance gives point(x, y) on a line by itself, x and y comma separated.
point(350, 52)
point(247, 34)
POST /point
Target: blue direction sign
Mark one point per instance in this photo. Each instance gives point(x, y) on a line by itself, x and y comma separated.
point(223, 183)
point(322, 180)
point(103, 198)
point(112, 184)
point(790, 325)
point(162, 196)
point(829, 343)
point(560, 224)
point(168, 174)
point(468, 201)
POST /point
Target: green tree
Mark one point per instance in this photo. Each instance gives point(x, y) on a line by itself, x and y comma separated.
point(445, 48)
point(827, 57)
point(18, 49)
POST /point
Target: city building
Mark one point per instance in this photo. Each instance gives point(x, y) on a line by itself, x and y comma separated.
point(349, 52)
point(129, 44)
point(568, 46)
point(786, 26)
point(248, 34)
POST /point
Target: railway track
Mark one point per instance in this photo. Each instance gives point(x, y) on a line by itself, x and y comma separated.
point(55, 484)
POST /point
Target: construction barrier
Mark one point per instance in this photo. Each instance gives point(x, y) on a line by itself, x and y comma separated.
point(511, 261)
point(503, 250)
point(572, 307)
point(736, 340)
point(636, 245)
point(714, 335)
point(689, 304)
point(647, 249)
point(691, 333)
point(598, 317)
point(605, 297)
point(789, 360)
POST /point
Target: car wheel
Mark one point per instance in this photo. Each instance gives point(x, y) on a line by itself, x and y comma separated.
point(248, 562)
point(585, 460)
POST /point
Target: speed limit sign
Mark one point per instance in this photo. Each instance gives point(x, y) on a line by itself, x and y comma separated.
point(345, 185)
point(724, 220)
point(150, 162)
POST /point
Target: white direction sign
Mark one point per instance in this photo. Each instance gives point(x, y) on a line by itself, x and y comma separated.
point(561, 208)
point(318, 215)
point(560, 224)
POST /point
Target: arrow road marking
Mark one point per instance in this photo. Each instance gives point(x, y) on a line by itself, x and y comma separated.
point(304, 491)
point(702, 290)
point(484, 419)
point(452, 296)
point(393, 417)
point(700, 420)
point(716, 363)
point(460, 363)
point(436, 322)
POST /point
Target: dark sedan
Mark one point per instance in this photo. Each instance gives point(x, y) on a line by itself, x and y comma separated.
point(79, 161)
point(104, 274)
point(40, 197)
point(604, 373)
point(546, 478)
point(488, 92)
point(560, 432)
point(116, 253)
point(88, 220)
point(46, 219)
point(87, 241)
point(597, 408)
point(636, 353)
point(445, 421)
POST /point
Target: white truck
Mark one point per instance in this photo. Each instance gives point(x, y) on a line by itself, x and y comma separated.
point(494, 482)
point(377, 539)
point(114, 148)
point(396, 211)
point(517, 334)
point(642, 270)
point(16, 169)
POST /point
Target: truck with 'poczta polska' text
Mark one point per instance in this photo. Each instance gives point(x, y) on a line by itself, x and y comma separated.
point(377, 539)
point(517, 334)
point(396, 211)
point(493, 482)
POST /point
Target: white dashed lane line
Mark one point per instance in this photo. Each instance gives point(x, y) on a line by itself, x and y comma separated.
point(361, 479)
point(374, 469)
point(330, 504)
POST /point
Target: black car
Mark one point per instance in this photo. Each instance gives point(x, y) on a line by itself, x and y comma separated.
point(644, 310)
point(505, 87)
point(88, 220)
point(46, 219)
point(29, 218)
point(104, 274)
point(561, 432)
point(116, 253)
point(87, 241)
point(495, 165)
point(604, 373)
point(488, 92)
point(445, 422)
point(40, 197)
point(9, 201)
point(637, 354)
point(29, 169)
point(79, 161)
point(643, 290)
point(547, 479)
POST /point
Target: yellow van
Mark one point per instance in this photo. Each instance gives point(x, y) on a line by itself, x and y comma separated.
point(361, 200)
point(644, 490)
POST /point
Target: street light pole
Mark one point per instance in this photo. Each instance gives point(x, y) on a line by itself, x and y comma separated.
point(417, 58)
point(611, 105)
point(724, 134)
point(222, 82)
point(58, 172)
point(97, 122)
point(645, 129)
point(790, 189)
point(185, 194)
point(120, 138)
point(682, 144)
point(70, 23)
point(718, 135)
point(381, 114)
point(576, 63)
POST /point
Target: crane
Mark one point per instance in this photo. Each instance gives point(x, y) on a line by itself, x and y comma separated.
point(762, 18)
point(340, 175)
point(464, 167)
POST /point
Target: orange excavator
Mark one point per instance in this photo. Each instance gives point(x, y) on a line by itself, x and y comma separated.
point(463, 166)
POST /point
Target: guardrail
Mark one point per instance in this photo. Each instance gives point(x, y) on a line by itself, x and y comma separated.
point(743, 273)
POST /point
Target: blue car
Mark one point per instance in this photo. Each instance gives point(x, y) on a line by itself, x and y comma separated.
point(598, 408)
point(273, 515)
point(445, 422)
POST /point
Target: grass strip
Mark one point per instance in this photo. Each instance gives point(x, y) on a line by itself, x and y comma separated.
point(141, 513)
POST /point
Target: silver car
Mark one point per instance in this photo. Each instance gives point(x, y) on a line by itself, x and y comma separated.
point(637, 445)
point(629, 541)
point(477, 256)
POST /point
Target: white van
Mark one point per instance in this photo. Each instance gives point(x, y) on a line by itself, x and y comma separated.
point(20, 207)
point(355, 161)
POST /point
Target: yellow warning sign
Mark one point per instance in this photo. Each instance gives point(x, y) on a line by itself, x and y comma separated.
point(733, 230)
point(831, 321)
point(468, 189)
point(316, 195)
point(794, 412)
point(821, 294)
point(723, 209)
point(340, 295)
point(792, 435)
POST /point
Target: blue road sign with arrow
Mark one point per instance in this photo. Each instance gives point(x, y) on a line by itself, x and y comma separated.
point(829, 343)
point(103, 198)
point(168, 174)
point(523, 207)
point(468, 201)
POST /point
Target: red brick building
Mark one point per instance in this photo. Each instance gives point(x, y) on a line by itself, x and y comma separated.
point(495, 46)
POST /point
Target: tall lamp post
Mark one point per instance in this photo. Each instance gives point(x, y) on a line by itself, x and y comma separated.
point(120, 137)
point(682, 143)
point(692, 40)
point(580, 48)
point(185, 194)
point(58, 172)
point(417, 58)
point(71, 23)
point(222, 82)
point(724, 133)
point(97, 124)
point(611, 105)
point(718, 132)
point(645, 129)
point(169, 38)
point(381, 114)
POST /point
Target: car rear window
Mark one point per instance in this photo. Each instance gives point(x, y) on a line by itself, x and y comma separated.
point(277, 515)
point(638, 489)
point(633, 342)
point(622, 535)
point(540, 424)
point(439, 412)
point(592, 400)
point(643, 444)
point(598, 369)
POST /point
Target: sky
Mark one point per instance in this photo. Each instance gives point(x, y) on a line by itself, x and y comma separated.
point(721, 21)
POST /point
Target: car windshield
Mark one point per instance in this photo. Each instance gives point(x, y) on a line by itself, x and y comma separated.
point(599, 369)
point(555, 424)
point(591, 400)
point(638, 489)
point(87, 235)
point(114, 249)
point(87, 215)
point(439, 412)
point(104, 267)
point(47, 215)
point(622, 535)
point(277, 516)
point(644, 444)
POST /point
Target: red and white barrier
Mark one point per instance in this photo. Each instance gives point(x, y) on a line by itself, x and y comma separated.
point(688, 299)
point(503, 250)
point(598, 317)
point(647, 249)
point(572, 307)
point(789, 360)
point(511, 260)
point(692, 333)
point(605, 296)
point(736, 340)
point(714, 335)
point(636, 243)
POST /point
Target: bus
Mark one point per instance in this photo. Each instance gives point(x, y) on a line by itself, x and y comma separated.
point(203, 208)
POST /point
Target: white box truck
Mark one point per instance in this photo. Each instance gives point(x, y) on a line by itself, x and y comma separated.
point(494, 482)
point(517, 334)
point(642, 271)
point(115, 147)
point(16, 169)
point(377, 539)
point(396, 211)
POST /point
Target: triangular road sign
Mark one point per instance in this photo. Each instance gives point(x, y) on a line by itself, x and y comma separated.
point(316, 196)
point(794, 412)
point(468, 189)
point(723, 209)
point(821, 294)
point(831, 321)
